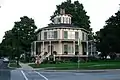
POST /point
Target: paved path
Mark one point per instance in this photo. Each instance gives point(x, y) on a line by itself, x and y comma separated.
point(25, 66)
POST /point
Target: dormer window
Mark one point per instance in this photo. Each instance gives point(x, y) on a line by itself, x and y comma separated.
point(62, 18)
point(59, 20)
point(67, 20)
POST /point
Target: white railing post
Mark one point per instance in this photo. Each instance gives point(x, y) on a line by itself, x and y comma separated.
point(87, 48)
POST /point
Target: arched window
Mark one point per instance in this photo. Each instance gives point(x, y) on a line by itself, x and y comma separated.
point(63, 20)
point(67, 20)
point(59, 19)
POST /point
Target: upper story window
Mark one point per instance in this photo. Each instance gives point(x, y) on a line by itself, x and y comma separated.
point(83, 36)
point(55, 34)
point(65, 34)
point(45, 35)
point(69, 20)
point(76, 35)
point(76, 48)
point(66, 20)
point(39, 36)
point(59, 20)
point(63, 20)
point(86, 37)
point(50, 35)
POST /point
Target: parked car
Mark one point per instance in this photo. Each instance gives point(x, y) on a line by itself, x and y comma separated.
point(5, 60)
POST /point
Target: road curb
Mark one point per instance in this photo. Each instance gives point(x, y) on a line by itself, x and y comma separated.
point(77, 70)
point(10, 67)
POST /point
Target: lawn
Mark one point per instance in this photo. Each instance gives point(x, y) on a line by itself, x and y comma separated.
point(86, 65)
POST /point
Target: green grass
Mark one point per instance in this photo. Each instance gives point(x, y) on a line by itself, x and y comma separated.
point(86, 65)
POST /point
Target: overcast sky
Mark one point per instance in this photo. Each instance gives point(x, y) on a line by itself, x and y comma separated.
point(41, 10)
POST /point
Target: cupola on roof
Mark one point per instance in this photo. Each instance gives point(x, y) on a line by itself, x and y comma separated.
point(62, 18)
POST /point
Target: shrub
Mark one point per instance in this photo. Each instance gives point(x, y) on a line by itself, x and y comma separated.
point(45, 53)
point(76, 53)
point(65, 53)
point(54, 53)
point(92, 58)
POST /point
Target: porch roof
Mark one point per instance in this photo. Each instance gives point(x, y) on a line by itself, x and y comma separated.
point(60, 40)
point(70, 55)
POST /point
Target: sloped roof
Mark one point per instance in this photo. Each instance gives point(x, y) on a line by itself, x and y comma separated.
point(59, 26)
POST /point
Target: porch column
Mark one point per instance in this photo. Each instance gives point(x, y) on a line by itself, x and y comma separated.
point(74, 47)
point(32, 54)
point(91, 48)
point(87, 48)
point(43, 47)
point(53, 57)
point(50, 47)
point(60, 48)
point(34, 48)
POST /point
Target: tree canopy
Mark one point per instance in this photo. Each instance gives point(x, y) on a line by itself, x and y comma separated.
point(76, 9)
point(108, 38)
point(18, 40)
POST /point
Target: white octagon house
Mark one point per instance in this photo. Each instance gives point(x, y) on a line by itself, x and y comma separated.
point(61, 37)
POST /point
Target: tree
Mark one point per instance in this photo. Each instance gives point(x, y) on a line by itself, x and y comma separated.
point(76, 9)
point(24, 34)
point(108, 40)
point(6, 45)
point(18, 40)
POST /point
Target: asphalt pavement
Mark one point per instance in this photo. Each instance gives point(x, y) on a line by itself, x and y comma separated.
point(56, 75)
point(20, 74)
point(4, 71)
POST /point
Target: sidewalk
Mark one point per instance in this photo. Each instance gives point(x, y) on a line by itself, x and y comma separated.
point(25, 66)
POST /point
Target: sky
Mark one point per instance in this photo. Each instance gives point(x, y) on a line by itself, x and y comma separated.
point(41, 10)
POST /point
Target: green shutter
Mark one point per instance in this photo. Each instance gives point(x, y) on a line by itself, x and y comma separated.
point(65, 48)
point(65, 34)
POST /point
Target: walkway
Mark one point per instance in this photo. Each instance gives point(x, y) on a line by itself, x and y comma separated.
point(25, 66)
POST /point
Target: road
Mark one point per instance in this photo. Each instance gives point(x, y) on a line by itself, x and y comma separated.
point(4, 71)
point(19, 74)
point(46, 75)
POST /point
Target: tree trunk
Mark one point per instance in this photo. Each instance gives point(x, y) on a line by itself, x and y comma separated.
point(18, 60)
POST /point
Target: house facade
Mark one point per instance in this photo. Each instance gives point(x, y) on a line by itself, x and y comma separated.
point(61, 37)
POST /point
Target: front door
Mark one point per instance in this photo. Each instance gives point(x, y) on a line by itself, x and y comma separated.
point(52, 48)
